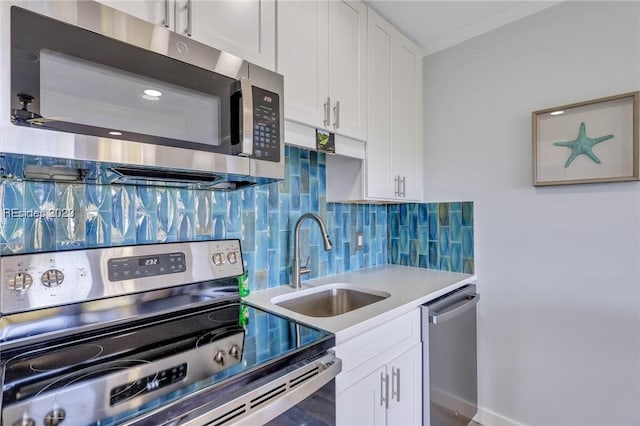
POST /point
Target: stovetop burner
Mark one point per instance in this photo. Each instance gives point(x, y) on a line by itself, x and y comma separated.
point(69, 357)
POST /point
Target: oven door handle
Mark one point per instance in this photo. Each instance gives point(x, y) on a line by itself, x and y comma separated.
point(247, 117)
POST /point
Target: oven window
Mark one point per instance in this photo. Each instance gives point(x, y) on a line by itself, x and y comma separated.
point(78, 91)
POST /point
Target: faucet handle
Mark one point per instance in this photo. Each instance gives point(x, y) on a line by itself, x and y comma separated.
point(305, 269)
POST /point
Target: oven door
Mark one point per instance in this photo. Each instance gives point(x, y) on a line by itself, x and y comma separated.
point(302, 393)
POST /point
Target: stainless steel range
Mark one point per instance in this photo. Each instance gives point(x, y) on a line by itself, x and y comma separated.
point(151, 335)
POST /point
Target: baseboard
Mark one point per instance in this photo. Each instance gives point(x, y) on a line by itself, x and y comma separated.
point(452, 403)
point(490, 418)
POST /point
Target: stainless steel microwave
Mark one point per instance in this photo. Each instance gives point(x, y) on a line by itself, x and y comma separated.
point(141, 103)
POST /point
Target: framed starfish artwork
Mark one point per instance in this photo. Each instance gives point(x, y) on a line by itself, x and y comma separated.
point(587, 142)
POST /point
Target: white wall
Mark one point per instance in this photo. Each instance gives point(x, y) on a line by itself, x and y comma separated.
point(558, 267)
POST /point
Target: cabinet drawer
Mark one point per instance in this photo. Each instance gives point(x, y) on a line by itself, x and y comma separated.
point(398, 334)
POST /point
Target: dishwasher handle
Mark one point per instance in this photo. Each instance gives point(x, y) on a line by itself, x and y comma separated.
point(456, 310)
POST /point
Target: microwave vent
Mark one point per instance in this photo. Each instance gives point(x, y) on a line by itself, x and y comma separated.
point(54, 173)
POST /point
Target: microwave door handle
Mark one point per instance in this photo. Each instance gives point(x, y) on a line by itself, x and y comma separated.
point(247, 117)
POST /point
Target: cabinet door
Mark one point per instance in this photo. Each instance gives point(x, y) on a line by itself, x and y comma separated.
point(378, 164)
point(406, 95)
point(347, 33)
point(405, 388)
point(243, 28)
point(159, 12)
point(302, 59)
point(362, 403)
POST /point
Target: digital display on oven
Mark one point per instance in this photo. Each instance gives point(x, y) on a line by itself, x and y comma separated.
point(148, 261)
point(127, 268)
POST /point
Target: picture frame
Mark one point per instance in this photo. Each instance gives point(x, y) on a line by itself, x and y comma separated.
point(587, 142)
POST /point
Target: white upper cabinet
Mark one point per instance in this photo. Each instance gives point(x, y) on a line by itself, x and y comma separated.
point(392, 168)
point(347, 32)
point(245, 28)
point(322, 55)
point(378, 164)
point(393, 164)
point(406, 113)
point(302, 59)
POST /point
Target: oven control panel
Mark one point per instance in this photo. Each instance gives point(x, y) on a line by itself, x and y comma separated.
point(42, 280)
point(125, 268)
point(150, 383)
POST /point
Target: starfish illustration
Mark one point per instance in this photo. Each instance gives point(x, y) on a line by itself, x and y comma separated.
point(582, 145)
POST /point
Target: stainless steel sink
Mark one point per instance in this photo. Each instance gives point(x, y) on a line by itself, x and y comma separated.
point(329, 302)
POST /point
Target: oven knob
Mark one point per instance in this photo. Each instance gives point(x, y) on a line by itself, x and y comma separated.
point(26, 421)
point(52, 278)
point(233, 257)
point(54, 417)
point(20, 282)
point(219, 357)
point(218, 259)
point(235, 351)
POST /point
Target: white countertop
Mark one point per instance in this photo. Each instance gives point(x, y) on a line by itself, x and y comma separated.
point(409, 287)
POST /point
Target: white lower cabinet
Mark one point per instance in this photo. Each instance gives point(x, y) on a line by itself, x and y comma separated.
point(381, 381)
point(405, 388)
point(362, 403)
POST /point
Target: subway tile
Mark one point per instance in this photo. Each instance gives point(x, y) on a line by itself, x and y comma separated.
point(203, 226)
point(443, 214)
point(433, 226)
point(413, 253)
point(455, 220)
point(467, 242)
point(273, 229)
point(304, 176)
point(456, 257)
point(467, 213)
point(261, 211)
point(273, 199)
point(70, 218)
point(248, 231)
point(444, 241)
point(422, 214)
point(294, 196)
point(247, 196)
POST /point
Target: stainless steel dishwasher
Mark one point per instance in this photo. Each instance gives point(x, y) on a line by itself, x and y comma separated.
point(450, 391)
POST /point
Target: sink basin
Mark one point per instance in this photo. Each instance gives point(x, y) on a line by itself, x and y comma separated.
point(329, 300)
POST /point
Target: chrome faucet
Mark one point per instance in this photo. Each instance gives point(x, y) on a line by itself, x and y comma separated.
point(302, 270)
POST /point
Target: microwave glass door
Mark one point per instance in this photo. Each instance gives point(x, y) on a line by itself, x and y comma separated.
point(81, 82)
point(78, 91)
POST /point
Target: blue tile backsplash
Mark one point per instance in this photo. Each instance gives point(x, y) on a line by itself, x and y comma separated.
point(47, 216)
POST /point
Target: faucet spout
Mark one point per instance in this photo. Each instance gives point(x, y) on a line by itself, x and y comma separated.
point(298, 270)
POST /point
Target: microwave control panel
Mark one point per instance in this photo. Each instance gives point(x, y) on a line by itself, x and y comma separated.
point(266, 125)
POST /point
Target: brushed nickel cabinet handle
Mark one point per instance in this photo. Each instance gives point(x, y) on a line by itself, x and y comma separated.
point(404, 187)
point(327, 105)
point(336, 115)
point(395, 386)
point(384, 390)
point(189, 18)
point(165, 21)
